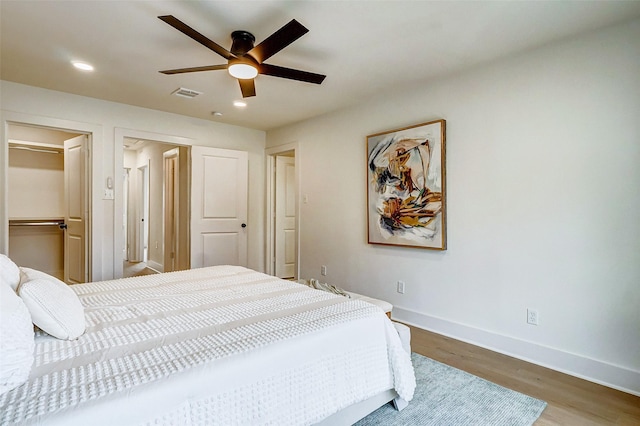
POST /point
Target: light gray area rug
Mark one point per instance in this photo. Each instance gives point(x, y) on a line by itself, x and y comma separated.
point(446, 396)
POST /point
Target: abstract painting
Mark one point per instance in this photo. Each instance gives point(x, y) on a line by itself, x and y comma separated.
point(406, 186)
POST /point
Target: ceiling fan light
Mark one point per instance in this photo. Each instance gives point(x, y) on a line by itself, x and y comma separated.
point(243, 71)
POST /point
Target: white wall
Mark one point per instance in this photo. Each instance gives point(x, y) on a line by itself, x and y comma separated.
point(543, 179)
point(20, 103)
point(36, 180)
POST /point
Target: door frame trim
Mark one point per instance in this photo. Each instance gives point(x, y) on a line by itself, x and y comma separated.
point(171, 156)
point(95, 144)
point(270, 154)
point(120, 134)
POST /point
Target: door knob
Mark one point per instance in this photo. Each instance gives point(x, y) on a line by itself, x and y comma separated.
point(244, 225)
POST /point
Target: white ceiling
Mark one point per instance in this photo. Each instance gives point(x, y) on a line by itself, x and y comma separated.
point(364, 47)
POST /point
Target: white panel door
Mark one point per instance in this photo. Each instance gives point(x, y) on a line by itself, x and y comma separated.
point(75, 184)
point(285, 217)
point(219, 187)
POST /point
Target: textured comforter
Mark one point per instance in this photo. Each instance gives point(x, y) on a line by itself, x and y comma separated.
point(222, 345)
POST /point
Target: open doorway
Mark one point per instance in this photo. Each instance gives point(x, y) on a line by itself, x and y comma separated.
point(283, 217)
point(48, 200)
point(156, 209)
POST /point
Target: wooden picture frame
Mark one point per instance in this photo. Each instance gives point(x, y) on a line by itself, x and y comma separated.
point(406, 187)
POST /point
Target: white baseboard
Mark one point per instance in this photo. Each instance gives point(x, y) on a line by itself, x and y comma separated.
point(603, 373)
point(155, 266)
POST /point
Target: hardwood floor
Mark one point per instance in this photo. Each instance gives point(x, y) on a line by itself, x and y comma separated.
point(570, 401)
point(136, 269)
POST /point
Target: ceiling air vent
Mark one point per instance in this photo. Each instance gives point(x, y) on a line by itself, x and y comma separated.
point(186, 93)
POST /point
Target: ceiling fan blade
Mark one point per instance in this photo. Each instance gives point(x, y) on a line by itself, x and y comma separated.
point(276, 71)
point(248, 87)
point(195, 69)
point(278, 41)
point(190, 32)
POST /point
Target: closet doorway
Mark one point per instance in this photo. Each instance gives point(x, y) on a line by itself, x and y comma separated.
point(156, 208)
point(48, 200)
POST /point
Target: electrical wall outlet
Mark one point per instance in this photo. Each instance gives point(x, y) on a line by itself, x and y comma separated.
point(401, 287)
point(532, 316)
point(323, 270)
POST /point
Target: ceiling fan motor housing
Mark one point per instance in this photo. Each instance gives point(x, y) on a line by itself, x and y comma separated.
point(242, 42)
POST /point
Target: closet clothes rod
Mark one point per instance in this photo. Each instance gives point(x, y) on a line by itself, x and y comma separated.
point(59, 223)
point(26, 148)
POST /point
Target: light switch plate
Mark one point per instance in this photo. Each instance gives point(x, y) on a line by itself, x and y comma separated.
point(108, 194)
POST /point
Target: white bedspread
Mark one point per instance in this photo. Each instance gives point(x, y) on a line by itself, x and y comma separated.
point(223, 345)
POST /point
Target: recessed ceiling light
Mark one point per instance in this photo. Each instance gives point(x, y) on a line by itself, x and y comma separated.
point(239, 104)
point(82, 66)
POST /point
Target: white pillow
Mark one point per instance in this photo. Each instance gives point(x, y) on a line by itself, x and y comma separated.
point(9, 272)
point(54, 307)
point(16, 340)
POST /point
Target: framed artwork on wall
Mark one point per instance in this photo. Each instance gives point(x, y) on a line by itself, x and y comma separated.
point(406, 187)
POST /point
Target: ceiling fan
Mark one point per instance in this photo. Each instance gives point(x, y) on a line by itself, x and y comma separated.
point(245, 61)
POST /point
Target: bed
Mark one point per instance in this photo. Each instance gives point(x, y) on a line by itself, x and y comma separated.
point(223, 345)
